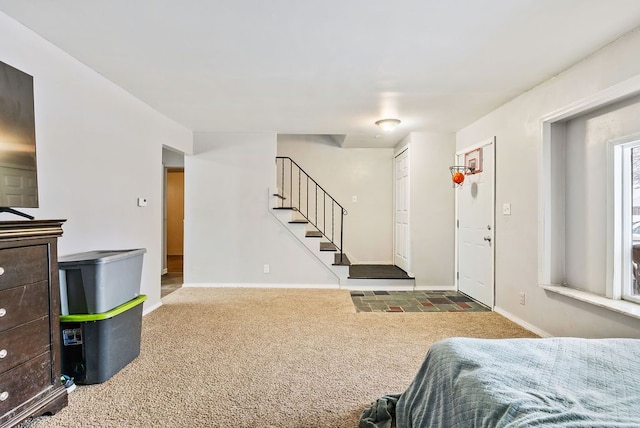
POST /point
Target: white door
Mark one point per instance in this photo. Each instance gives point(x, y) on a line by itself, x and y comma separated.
point(475, 201)
point(401, 210)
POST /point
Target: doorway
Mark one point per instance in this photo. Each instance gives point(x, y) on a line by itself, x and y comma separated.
point(173, 224)
point(175, 220)
point(475, 202)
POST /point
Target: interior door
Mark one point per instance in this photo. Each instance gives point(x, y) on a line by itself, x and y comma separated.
point(476, 202)
point(401, 210)
point(175, 219)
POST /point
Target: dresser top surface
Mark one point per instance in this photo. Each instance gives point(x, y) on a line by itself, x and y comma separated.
point(30, 228)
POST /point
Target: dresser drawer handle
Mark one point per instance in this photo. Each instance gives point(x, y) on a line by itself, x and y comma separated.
point(4, 396)
point(3, 312)
point(3, 353)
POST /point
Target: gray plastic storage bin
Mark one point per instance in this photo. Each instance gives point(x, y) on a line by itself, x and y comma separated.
point(97, 346)
point(97, 281)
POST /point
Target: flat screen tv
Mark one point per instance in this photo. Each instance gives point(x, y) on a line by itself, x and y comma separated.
point(18, 173)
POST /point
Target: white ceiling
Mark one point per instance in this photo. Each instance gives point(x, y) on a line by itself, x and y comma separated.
point(331, 66)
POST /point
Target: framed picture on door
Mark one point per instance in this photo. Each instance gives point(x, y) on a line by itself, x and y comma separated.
point(473, 161)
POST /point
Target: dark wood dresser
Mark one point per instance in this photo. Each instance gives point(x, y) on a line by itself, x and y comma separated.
point(29, 321)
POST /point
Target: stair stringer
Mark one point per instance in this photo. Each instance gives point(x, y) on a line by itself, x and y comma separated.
point(298, 230)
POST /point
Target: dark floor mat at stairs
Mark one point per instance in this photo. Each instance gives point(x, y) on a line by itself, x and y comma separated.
point(377, 272)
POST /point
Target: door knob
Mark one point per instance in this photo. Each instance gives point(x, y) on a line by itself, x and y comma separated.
point(487, 238)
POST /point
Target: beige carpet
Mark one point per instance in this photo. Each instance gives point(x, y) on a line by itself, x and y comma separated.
point(266, 358)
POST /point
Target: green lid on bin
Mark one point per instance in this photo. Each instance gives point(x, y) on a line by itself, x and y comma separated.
point(104, 315)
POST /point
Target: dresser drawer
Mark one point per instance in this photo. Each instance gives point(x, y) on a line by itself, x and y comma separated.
point(23, 265)
point(19, 305)
point(23, 343)
point(24, 382)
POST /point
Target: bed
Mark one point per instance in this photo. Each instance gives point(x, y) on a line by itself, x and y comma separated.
point(554, 382)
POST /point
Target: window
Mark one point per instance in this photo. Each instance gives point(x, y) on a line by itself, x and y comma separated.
point(626, 219)
point(632, 292)
point(587, 212)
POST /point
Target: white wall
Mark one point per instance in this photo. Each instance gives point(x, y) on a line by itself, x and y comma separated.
point(518, 132)
point(98, 149)
point(344, 173)
point(432, 208)
point(230, 233)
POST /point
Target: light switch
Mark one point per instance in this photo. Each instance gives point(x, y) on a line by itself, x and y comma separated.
point(354, 199)
point(506, 208)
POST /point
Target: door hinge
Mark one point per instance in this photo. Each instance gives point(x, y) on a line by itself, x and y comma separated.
point(458, 224)
point(457, 275)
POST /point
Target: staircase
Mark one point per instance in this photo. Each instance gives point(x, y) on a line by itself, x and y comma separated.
point(316, 219)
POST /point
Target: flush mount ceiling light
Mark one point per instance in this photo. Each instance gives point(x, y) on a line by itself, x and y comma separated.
point(387, 125)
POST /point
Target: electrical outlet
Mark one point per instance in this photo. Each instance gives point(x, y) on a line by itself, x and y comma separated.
point(522, 299)
point(266, 268)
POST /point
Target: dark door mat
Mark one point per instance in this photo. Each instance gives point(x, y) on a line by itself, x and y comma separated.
point(377, 272)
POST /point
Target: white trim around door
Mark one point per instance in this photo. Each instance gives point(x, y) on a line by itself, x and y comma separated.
point(401, 211)
point(475, 230)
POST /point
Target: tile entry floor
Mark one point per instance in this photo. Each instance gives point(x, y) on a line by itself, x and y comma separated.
point(414, 301)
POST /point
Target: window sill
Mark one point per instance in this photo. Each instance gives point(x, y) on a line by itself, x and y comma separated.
point(621, 306)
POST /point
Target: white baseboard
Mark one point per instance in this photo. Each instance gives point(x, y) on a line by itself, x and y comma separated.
point(369, 262)
point(152, 308)
point(257, 285)
point(383, 286)
point(435, 288)
point(522, 323)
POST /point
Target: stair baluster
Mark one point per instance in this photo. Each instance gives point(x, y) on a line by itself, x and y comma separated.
point(290, 195)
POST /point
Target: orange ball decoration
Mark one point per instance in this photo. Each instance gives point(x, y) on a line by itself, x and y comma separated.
point(458, 177)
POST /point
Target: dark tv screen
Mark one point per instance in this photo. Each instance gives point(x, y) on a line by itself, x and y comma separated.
point(18, 175)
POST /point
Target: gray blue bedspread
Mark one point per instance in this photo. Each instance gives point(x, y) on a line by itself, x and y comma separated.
point(555, 382)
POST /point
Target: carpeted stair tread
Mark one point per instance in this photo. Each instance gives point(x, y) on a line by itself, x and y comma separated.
point(327, 246)
point(313, 234)
point(345, 260)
